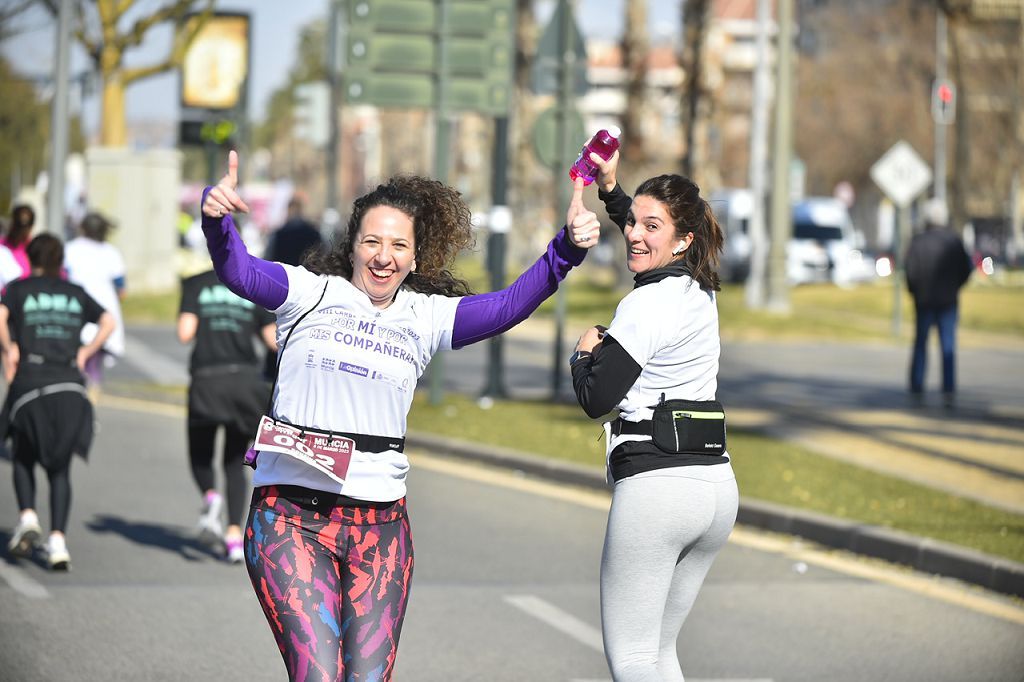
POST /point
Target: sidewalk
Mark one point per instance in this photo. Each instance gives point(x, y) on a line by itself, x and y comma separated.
point(841, 401)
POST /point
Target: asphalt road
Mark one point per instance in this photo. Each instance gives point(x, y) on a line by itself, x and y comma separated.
point(505, 589)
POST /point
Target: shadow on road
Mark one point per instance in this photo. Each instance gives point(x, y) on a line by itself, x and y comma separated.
point(170, 538)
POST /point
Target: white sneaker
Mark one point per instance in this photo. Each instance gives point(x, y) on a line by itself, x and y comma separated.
point(24, 538)
point(211, 531)
point(57, 556)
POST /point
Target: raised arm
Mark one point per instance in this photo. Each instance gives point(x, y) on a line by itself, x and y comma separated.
point(485, 315)
point(616, 201)
point(265, 283)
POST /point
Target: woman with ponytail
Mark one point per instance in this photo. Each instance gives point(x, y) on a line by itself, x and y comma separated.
point(674, 498)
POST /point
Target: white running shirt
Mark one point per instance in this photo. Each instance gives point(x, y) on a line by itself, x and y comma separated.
point(670, 328)
point(94, 266)
point(353, 368)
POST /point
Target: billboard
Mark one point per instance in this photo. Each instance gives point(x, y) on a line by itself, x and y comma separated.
point(216, 65)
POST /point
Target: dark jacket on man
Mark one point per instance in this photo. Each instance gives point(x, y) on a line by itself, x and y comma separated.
point(937, 266)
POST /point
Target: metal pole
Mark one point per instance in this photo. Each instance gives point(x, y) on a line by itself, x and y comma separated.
point(902, 221)
point(441, 137)
point(334, 58)
point(566, 69)
point(781, 227)
point(59, 124)
point(940, 128)
point(1016, 212)
point(758, 160)
point(500, 222)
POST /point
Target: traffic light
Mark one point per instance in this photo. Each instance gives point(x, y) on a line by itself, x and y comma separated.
point(311, 113)
point(218, 132)
point(943, 101)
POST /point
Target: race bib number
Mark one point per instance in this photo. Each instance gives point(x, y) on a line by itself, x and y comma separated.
point(329, 454)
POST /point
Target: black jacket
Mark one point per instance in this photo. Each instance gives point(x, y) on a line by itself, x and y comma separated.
point(937, 266)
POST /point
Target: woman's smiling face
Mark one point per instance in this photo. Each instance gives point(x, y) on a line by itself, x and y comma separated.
point(651, 235)
point(383, 254)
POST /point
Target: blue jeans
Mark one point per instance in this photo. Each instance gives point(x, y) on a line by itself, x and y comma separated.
point(945, 319)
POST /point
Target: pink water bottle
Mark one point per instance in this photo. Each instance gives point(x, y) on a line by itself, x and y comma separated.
point(603, 143)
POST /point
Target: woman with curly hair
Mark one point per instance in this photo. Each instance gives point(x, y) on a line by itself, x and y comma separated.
point(327, 544)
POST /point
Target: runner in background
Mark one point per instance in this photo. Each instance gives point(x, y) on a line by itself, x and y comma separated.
point(98, 267)
point(47, 414)
point(228, 392)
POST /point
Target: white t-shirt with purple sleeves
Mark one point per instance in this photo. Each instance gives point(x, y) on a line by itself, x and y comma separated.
point(352, 367)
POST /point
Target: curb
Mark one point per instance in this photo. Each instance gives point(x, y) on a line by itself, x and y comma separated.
point(921, 554)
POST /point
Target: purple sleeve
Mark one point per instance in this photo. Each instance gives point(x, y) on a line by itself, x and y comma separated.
point(265, 283)
point(482, 316)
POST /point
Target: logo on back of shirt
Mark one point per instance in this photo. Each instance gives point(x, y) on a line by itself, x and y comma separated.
point(60, 303)
point(219, 294)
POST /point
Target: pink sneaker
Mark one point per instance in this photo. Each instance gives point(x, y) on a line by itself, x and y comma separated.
point(235, 553)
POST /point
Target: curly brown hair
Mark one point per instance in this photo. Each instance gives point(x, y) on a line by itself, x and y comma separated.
point(441, 227)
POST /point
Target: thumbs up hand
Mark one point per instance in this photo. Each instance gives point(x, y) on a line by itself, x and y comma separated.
point(223, 199)
point(583, 226)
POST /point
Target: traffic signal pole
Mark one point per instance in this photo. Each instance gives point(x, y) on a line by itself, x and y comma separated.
point(500, 222)
point(940, 127)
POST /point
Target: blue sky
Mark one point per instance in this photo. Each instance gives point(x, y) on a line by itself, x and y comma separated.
point(275, 31)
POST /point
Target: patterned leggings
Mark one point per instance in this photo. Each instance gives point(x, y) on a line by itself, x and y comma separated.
point(333, 580)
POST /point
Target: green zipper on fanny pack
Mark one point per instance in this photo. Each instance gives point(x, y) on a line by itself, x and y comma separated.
point(681, 414)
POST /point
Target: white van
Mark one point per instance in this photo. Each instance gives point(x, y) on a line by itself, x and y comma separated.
point(732, 209)
point(824, 245)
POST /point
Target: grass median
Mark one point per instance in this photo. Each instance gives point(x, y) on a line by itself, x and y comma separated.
point(991, 312)
point(766, 469)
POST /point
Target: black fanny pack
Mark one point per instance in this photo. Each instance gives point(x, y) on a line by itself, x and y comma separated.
point(682, 426)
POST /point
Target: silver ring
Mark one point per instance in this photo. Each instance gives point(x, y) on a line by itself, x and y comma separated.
point(584, 239)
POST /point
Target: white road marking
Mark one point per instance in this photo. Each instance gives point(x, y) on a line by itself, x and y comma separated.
point(21, 583)
point(558, 619)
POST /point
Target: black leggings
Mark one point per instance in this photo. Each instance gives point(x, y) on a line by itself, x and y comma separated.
point(25, 484)
point(200, 452)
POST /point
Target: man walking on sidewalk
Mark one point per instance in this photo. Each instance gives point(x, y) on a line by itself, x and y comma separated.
point(937, 267)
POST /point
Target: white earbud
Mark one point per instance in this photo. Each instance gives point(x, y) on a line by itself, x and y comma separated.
point(679, 250)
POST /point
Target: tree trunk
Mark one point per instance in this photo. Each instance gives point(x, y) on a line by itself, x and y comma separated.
point(527, 192)
point(635, 47)
point(695, 21)
point(114, 130)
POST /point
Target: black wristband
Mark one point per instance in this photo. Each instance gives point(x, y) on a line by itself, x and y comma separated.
point(579, 355)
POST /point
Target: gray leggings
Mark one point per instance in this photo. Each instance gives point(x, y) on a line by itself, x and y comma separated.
point(665, 528)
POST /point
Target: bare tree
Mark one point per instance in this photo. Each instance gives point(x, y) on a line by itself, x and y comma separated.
point(98, 29)
point(635, 48)
point(9, 11)
point(853, 104)
point(696, 15)
point(530, 183)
